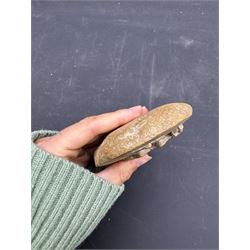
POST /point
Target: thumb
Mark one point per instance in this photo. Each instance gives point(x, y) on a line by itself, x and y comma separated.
point(121, 171)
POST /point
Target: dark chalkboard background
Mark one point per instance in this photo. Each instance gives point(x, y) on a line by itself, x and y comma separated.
point(93, 57)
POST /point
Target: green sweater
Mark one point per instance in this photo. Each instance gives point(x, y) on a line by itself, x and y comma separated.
point(68, 201)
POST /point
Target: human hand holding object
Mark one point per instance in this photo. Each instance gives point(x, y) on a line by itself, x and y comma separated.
point(78, 142)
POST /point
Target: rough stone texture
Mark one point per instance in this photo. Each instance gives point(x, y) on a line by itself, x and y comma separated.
point(143, 134)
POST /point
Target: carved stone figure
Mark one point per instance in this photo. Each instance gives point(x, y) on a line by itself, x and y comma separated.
point(146, 132)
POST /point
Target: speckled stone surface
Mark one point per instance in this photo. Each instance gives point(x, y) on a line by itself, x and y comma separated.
point(157, 126)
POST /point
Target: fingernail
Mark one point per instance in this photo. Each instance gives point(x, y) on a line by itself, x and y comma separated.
point(143, 160)
point(144, 108)
point(135, 108)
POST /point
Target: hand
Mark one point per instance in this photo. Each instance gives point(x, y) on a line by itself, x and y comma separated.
point(78, 142)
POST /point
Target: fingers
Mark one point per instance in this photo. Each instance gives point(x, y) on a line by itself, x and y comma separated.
point(96, 141)
point(85, 131)
point(120, 172)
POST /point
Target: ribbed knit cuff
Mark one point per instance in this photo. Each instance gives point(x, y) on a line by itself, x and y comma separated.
point(68, 201)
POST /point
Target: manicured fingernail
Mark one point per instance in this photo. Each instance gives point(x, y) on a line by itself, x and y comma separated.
point(135, 108)
point(143, 160)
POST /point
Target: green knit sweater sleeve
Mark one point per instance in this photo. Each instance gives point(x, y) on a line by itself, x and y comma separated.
point(68, 201)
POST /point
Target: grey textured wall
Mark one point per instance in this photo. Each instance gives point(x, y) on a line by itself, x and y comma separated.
point(94, 57)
